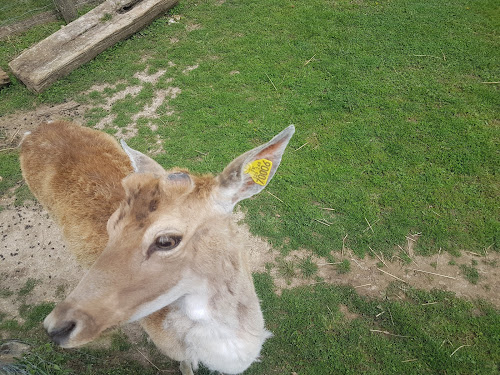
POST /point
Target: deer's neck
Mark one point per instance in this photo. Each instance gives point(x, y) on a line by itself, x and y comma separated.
point(226, 328)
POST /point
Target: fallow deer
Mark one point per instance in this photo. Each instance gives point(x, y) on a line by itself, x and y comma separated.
point(162, 246)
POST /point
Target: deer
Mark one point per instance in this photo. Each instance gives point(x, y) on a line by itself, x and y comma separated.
point(160, 245)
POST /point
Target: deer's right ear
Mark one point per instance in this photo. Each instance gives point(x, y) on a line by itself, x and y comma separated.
point(142, 163)
point(250, 173)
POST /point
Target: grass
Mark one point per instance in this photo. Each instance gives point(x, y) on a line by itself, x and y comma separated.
point(400, 131)
point(10, 171)
point(397, 134)
point(417, 335)
point(308, 267)
point(5, 292)
point(344, 267)
point(312, 336)
point(470, 273)
point(28, 287)
point(286, 268)
point(15, 11)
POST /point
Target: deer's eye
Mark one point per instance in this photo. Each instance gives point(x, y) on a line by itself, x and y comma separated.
point(166, 242)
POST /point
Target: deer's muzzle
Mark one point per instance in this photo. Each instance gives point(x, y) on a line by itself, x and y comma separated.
point(70, 327)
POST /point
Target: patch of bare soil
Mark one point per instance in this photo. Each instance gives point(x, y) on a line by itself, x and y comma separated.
point(150, 111)
point(372, 275)
point(427, 273)
point(13, 126)
point(32, 248)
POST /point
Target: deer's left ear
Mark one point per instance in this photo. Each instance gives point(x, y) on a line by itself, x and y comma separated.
point(249, 173)
point(142, 163)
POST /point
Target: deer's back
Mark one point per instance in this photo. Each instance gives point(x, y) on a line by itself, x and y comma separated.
point(75, 173)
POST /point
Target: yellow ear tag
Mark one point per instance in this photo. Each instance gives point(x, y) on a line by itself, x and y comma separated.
point(259, 170)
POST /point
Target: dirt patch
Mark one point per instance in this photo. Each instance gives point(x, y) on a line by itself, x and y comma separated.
point(193, 26)
point(190, 68)
point(150, 111)
point(371, 276)
point(33, 253)
point(32, 248)
point(439, 272)
point(13, 126)
point(348, 315)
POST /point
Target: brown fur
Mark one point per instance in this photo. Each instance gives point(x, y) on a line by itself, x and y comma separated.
point(51, 162)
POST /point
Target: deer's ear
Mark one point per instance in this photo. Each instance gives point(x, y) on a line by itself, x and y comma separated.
point(249, 173)
point(142, 163)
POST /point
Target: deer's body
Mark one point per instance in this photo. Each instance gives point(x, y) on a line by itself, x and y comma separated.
point(161, 243)
point(76, 173)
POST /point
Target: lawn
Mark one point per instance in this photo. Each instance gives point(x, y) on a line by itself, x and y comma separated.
point(396, 107)
point(16, 11)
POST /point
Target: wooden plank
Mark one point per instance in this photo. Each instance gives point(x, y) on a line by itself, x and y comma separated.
point(4, 79)
point(67, 9)
point(83, 39)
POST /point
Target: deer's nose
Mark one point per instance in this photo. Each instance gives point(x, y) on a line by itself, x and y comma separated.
point(61, 333)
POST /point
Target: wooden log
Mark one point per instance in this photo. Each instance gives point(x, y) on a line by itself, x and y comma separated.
point(4, 79)
point(83, 39)
point(67, 9)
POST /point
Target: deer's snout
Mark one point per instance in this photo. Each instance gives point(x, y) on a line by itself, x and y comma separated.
point(70, 327)
point(61, 334)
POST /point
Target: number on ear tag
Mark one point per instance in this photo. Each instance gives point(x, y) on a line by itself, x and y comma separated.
point(259, 170)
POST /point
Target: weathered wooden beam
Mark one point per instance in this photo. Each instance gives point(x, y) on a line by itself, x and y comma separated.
point(83, 39)
point(4, 78)
point(67, 9)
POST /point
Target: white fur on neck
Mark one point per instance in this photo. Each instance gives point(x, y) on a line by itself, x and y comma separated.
point(218, 344)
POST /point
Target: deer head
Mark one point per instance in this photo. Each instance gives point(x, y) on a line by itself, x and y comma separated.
point(169, 239)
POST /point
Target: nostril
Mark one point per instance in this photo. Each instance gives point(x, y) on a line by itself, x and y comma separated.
point(61, 334)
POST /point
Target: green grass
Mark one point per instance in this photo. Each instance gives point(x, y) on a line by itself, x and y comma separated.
point(397, 133)
point(418, 335)
point(5, 292)
point(286, 268)
point(470, 273)
point(15, 11)
point(10, 171)
point(401, 131)
point(311, 335)
point(308, 267)
point(28, 287)
point(344, 267)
